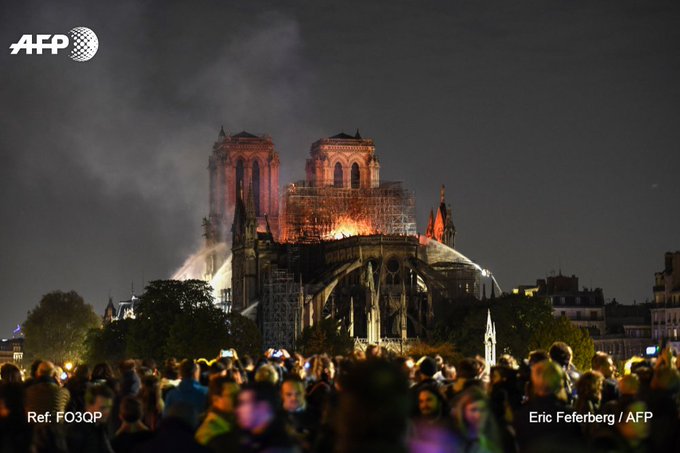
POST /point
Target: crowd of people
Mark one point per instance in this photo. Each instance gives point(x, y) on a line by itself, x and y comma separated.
point(369, 401)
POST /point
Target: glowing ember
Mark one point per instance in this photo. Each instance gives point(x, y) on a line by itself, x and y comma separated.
point(346, 226)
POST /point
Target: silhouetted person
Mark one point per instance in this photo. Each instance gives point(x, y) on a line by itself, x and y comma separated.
point(92, 437)
point(15, 433)
point(189, 391)
point(152, 401)
point(547, 381)
point(373, 409)
point(561, 353)
point(259, 416)
point(77, 386)
point(132, 431)
point(175, 433)
point(218, 429)
point(9, 373)
point(603, 363)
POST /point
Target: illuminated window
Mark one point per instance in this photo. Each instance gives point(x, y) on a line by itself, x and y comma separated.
point(355, 176)
point(337, 176)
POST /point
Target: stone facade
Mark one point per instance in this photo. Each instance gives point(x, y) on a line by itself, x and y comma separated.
point(240, 163)
point(666, 307)
point(584, 308)
point(343, 161)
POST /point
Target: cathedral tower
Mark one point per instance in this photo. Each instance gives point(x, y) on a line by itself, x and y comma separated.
point(240, 160)
point(343, 161)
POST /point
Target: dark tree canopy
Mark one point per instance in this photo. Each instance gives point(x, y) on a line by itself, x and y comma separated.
point(108, 343)
point(164, 312)
point(56, 329)
point(561, 329)
point(198, 333)
point(179, 319)
point(244, 336)
point(522, 324)
point(328, 336)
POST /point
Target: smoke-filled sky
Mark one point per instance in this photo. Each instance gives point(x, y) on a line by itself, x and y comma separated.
point(555, 126)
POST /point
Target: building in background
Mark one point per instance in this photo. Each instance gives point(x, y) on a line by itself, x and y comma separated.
point(12, 350)
point(628, 332)
point(343, 195)
point(124, 310)
point(347, 248)
point(584, 308)
point(666, 307)
point(441, 227)
point(239, 163)
point(620, 330)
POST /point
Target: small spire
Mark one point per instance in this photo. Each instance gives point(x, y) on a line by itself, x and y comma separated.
point(429, 232)
point(269, 228)
point(250, 202)
point(357, 135)
point(222, 134)
point(441, 194)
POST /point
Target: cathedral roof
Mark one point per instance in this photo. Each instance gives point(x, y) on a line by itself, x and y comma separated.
point(344, 136)
point(244, 134)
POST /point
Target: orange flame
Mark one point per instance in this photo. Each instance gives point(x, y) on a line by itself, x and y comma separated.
point(346, 226)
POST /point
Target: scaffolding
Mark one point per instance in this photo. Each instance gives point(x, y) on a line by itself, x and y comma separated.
point(311, 214)
point(281, 314)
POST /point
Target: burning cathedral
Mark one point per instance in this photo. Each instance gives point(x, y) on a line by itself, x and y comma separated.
point(339, 244)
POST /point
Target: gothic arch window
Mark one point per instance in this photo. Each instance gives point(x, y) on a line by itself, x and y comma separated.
point(239, 178)
point(393, 277)
point(355, 176)
point(337, 176)
point(256, 186)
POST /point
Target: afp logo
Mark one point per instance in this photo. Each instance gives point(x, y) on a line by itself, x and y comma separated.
point(83, 44)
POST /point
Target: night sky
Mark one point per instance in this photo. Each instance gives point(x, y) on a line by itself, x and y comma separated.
point(555, 126)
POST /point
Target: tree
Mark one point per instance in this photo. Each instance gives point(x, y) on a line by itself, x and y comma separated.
point(108, 343)
point(179, 319)
point(244, 336)
point(199, 332)
point(327, 336)
point(56, 329)
point(561, 329)
point(446, 350)
point(163, 303)
point(463, 323)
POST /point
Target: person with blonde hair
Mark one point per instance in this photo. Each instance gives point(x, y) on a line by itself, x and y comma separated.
point(267, 373)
